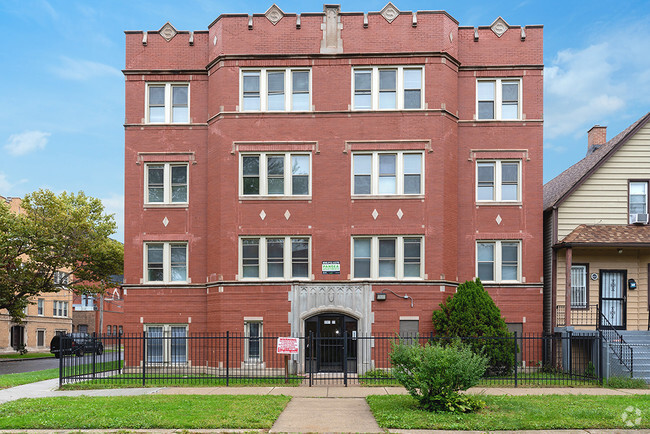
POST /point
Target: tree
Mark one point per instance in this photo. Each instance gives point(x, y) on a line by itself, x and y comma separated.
point(471, 313)
point(54, 233)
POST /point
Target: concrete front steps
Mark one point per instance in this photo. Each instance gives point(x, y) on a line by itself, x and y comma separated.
point(639, 341)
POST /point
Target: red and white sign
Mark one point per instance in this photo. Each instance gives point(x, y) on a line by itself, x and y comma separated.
point(287, 345)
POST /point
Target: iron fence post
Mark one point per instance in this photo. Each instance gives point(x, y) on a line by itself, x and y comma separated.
point(631, 362)
point(61, 343)
point(144, 357)
point(94, 341)
point(119, 353)
point(599, 356)
point(345, 358)
point(515, 354)
point(311, 355)
point(227, 358)
point(569, 351)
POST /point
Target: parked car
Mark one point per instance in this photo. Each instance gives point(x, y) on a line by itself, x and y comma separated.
point(75, 343)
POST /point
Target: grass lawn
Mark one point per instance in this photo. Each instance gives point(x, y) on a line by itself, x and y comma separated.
point(18, 356)
point(127, 381)
point(144, 412)
point(547, 412)
point(12, 380)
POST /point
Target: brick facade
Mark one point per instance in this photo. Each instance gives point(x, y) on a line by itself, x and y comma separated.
point(444, 131)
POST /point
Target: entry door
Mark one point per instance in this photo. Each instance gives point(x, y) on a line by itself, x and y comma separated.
point(613, 297)
point(328, 337)
point(17, 337)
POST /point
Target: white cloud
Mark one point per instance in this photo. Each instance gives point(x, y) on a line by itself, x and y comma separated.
point(114, 204)
point(595, 84)
point(82, 70)
point(5, 185)
point(24, 143)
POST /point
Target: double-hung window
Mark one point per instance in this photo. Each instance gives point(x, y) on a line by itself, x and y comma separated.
point(498, 181)
point(166, 344)
point(387, 88)
point(165, 262)
point(275, 174)
point(166, 183)
point(579, 283)
point(253, 342)
point(41, 306)
point(387, 173)
point(272, 89)
point(498, 261)
point(168, 103)
point(638, 202)
point(60, 308)
point(498, 99)
point(274, 258)
point(387, 257)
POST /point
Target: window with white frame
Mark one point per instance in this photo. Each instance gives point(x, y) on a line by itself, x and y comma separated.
point(387, 88)
point(275, 89)
point(166, 183)
point(165, 262)
point(275, 174)
point(253, 343)
point(579, 285)
point(498, 181)
point(387, 257)
point(60, 308)
point(498, 99)
point(166, 343)
point(41, 306)
point(274, 258)
point(638, 202)
point(168, 103)
point(60, 278)
point(87, 302)
point(498, 261)
point(387, 173)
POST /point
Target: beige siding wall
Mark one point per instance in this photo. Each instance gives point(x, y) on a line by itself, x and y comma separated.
point(602, 199)
point(634, 261)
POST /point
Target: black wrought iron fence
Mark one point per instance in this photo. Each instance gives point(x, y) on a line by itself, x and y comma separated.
point(623, 352)
point(168, 358)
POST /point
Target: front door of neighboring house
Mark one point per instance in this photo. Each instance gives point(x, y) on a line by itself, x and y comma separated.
point(328, 331)
point(613, 298)
point(17, 337)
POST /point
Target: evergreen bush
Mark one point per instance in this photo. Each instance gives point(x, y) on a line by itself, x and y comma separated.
point(471, 313)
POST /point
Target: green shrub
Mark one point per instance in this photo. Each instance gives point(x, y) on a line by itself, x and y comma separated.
point(434, 374)
point(471, 313)
point(378, 373)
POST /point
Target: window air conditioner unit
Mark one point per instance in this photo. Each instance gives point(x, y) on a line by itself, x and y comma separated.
point(639, 219)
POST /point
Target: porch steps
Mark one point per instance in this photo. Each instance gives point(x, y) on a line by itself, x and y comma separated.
point(640, 343)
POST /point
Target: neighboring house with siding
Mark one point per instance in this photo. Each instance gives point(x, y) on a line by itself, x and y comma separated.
point(597, 238)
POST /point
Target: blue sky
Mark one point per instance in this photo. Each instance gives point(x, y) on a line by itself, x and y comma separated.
point(62, 91)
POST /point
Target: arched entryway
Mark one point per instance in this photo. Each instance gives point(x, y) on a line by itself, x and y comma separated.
point(334, 338)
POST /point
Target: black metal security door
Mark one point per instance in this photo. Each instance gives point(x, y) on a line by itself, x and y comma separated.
point(613, 297)
point(334, 340)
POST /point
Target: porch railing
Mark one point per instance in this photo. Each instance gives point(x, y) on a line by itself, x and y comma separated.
point(621, 349)
point(580, 317)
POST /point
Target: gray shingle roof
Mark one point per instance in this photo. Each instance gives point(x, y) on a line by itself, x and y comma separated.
point(557, 188)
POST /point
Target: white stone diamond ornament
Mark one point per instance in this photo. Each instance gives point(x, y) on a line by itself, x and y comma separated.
point(167, 31)
point(389, 12)
point(262, 215)
point(287, 214)
point(499, 219)
point(165, 221)
point(499, 26)
point(400, 213)
point(375, 214)
point(274, 14)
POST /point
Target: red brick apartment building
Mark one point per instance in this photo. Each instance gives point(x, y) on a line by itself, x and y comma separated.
point(327, 172)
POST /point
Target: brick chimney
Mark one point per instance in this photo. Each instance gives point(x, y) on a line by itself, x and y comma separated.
point(596, 137)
